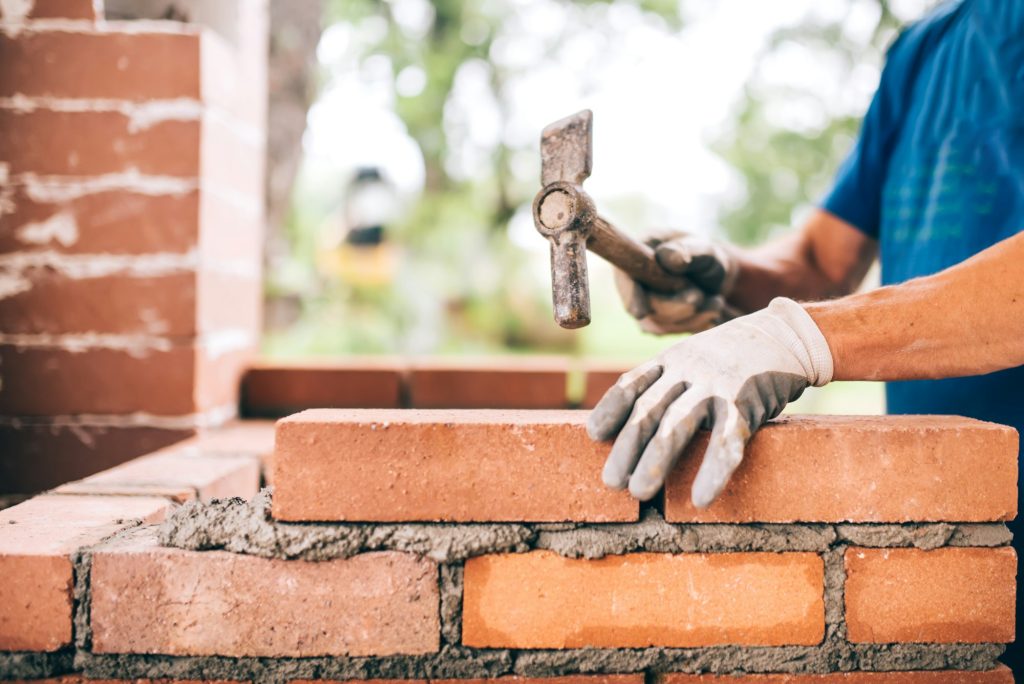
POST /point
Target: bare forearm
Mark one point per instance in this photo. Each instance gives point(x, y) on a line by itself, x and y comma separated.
point(826, 258)
point(966, 320)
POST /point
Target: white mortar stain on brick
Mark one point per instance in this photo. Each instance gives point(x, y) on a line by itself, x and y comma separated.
point(135, 345)
point(15, 11)
point(61, 228)
point(12, 284)
point(217, 344)
point(81, 266)
point(62, 188)
point(206, 419)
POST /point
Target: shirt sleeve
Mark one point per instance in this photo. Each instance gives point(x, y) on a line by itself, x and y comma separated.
point(856, 194)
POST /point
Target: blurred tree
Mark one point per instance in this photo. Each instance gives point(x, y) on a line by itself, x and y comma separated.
point(787, 165)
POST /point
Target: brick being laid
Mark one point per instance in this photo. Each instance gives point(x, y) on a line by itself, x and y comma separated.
point(860, 469)
point(37, 540)
point(442, 465)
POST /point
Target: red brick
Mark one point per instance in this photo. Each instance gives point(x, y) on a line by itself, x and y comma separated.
point(149, 599)
point(227, 301)
point(178, 472)
point(499, 383)
point(44, 381)
point(861, 469)
point(945, 595)
point(231, 159)
point(1000, 675)
point(34, 457)
point(542, 600)
point(253, 438)
point(49, 142)
point(231, 234)
point(37, 539)
point(598, 379)
point(100, 65)
point(442, 465)
point(280, 388)
point(107, 222)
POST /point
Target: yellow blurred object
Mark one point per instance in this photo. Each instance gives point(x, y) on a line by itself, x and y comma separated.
point(360, 265)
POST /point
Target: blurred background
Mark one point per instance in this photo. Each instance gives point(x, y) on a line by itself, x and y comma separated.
point(404, 156)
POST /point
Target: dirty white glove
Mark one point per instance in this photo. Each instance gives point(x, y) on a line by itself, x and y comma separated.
point(732, 379)
point(705, 263)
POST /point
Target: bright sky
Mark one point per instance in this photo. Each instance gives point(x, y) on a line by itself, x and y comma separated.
point(657, 96)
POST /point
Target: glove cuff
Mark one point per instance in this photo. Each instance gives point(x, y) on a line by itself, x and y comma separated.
point(805, 340)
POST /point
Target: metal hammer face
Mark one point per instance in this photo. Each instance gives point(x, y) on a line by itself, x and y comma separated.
point(564, 214)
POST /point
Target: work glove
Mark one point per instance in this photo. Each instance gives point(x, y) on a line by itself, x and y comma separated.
point(732, 379)
point(707, 265)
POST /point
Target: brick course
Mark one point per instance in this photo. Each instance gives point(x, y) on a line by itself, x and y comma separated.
point(541, 600)
point(442, 465)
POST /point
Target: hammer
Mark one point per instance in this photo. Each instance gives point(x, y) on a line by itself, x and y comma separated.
point(565, 215)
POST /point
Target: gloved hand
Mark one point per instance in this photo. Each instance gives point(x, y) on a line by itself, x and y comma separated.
point(732, 379)
point(705, 263)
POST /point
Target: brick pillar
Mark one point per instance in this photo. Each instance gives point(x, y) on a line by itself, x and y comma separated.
point(131, 216)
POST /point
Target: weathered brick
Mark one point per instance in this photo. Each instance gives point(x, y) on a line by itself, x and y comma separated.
point(37, 539)
point(34, 457)
point(178, 472)
point(46, 381)
point(50, 142)
point(100, 65)
point(861, 469)
point(499, 383)
point(567, 679)
point(149, 599)
point(944, 595)
point(1000, 675)
point(542, 600)
point(281, 388)
point(442, 465)
point(598, 379)
point(105, 222)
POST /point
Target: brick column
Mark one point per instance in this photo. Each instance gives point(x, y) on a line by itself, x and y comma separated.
point(131, 215)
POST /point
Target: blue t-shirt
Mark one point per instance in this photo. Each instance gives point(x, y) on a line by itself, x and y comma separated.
point(937, 174)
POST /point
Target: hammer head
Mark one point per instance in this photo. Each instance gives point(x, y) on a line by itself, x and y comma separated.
point(564, 214)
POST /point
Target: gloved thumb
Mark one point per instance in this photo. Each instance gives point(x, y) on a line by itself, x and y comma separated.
point(706, 264)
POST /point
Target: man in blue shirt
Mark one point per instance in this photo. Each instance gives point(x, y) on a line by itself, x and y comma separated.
point(935, 188)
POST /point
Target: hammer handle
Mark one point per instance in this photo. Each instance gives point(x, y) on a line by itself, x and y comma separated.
point(633, 257)
point(637, 260)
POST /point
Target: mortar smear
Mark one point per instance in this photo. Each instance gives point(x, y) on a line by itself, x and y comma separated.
point(246, 527)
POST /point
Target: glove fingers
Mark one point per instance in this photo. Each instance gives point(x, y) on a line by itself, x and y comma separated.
point(696, 258)
point(615, 406)
point(678, 426)
point(642, 423)
point(729, 437)
point(633, 295)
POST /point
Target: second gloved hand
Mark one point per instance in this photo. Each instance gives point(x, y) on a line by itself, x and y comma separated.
point(707, 265)
point(732, 379)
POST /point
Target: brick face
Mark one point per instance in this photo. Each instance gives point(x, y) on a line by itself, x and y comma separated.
point(148, 599)
point(945, 595)
point(49, 142)
point(38, 457)
point(37, 539)
point(836, 468)
point(107, 65)
point(442, 465)
point(106, 222)
point(281, 389)
point(541, 600)
point(62, 9)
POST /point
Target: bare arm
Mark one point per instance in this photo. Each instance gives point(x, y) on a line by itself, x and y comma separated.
point(826, 258)
point(966, 320)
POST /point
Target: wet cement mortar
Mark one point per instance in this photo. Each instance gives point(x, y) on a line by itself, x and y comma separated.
point(246, 527)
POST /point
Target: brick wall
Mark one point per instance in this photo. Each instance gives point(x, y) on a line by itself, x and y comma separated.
point(131, 186)
point(412, 546)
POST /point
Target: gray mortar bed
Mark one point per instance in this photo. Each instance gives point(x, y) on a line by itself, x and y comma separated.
point(243, 527)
